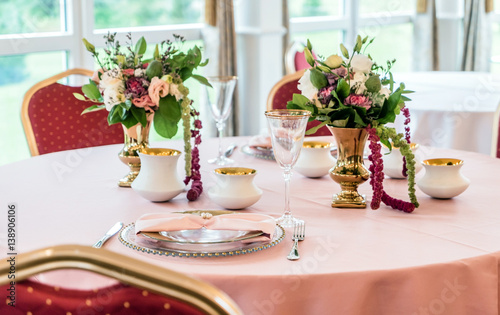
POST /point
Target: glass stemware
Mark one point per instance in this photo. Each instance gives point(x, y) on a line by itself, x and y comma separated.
point(287, 128)
point(220, 98)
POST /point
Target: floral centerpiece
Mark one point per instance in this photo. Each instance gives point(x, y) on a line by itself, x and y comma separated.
point(134, 90)
point(355, 92)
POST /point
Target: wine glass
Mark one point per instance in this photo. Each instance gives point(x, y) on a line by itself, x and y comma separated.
point(219, 98)
point(287, 128)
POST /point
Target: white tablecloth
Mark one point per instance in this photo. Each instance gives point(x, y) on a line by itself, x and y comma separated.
point(452, 109)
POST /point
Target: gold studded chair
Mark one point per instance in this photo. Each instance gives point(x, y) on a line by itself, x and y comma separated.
point(143, 288)
point(52, 120)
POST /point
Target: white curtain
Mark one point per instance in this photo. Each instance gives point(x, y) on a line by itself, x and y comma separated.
point(452, 35)
point(476, 52)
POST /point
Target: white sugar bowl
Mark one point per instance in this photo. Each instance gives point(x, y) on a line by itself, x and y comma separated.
point(234, 188)
point(393, 162)
point(315, 159)
point(158, 179)
point(442, 178)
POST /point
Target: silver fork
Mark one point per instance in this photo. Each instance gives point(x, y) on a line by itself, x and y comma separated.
point(299, 232)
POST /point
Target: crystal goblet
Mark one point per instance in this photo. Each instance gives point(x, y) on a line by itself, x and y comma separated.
point(287, 128)
point(219, 98)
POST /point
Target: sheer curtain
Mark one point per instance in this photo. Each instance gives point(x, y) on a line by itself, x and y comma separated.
point(220, 47)
point(452, 35)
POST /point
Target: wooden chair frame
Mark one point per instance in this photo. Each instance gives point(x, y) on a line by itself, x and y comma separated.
point(125, 269)
point(286, 79)
point(28, 128)
point(496, 133)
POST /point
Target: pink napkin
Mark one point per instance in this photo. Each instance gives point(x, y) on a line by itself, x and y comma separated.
point(260, 142)
point(157, 222)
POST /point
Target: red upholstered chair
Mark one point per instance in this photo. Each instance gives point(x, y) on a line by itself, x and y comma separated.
point(495, 145)
point(143, 288)
point(52, 119)
point(283, 91)
point(295, 59)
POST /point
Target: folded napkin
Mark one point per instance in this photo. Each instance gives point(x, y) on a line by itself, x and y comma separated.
point(260, 141)
point(157, 222)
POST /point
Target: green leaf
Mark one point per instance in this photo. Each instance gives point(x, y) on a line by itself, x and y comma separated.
point(129, 121)
point(201, 79)
point(167, 117)
point(79, 96)
point(373, 84)
point(318, 79)
point(359, 112)
point(139, 115)
point(93, 108)
point(115, 114)
point(315, 128)
point(300, 100)
point(141, 46)
point(344, 51)
point(359, 44)
point(204, 63)
point(185, 73)
point(309, 57)
point(91, 91)
point(343, 89)
point(309, 46)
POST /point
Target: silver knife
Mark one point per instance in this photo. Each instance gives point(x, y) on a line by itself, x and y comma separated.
point(114, 229)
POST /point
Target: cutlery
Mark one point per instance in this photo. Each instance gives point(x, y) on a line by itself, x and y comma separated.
point(114, 229)
point(230, 150)
point(299, 232)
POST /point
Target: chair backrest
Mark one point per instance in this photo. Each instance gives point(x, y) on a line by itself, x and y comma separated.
point(144, 288)
point(52, 120)
point(283, 91)
point(295, 59)
point(495, 144)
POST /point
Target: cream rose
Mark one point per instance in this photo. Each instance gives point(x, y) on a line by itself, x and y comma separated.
point(111, 77)
point(358, 81)
point(334, 61)
point(157, 89)
point(306, 87)
point(361, 63)
point(113, 95)
point(174, 90)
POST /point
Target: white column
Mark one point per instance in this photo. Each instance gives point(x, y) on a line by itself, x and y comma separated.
point(259, 36)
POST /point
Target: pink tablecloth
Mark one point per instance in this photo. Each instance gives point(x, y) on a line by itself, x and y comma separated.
point(441, 259)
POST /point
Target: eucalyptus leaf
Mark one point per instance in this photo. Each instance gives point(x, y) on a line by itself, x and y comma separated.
point(318, 79)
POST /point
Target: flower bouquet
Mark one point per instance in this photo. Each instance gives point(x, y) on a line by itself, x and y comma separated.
point(135, 91)
point(353, 92)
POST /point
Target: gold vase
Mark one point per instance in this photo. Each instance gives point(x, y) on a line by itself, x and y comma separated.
point(136, 138)
point(350, 170)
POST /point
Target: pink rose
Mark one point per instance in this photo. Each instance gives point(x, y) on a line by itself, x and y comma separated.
point(144, 102)
point(157, 89)
point(358, 100)
point(128, 72)
point(95, 76)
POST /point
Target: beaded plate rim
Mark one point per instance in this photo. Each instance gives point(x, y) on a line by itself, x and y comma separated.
point(175, 253)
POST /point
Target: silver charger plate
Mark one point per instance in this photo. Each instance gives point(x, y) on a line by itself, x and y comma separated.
point(143, 244)
point(258, 152)
point(201, 236)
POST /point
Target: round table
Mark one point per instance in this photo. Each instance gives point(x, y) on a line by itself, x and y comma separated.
point(452, 109)
point(441, 259)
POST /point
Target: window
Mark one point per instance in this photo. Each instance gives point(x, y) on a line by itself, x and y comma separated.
point(329, 23)
point(39, 38)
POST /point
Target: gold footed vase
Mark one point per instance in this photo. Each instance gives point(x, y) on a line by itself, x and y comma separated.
point(136, 139)
point(350, 171)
